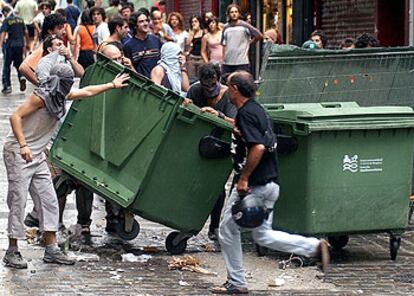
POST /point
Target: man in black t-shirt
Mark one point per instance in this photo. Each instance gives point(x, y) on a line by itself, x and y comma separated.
point(15, 30)
point(254, 151)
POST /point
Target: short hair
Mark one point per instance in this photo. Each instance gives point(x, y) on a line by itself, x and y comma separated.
point(50, 23)
point(100, 10)
point(128, 5)
point(62, 12)
point(45, 3)
point(49, 42)
point(115, 22)
point(209, 71)
point(322, 35)
point(348, 42)
point(69, 1)
point(90, 4)
point(180, 18)
point(244, 82)
point(366, 40)
point(6, 9)
point(233, 5)
point(114, 2)
point(134, 18)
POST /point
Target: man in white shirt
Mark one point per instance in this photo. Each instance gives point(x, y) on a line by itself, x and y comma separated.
point(98, 17)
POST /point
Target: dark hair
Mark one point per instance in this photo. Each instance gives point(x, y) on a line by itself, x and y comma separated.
point(129, 5)
point(50, 23)
point(153, 8)
point(190, 21)
point(62, 12)
point(232, 6)
point(116, 21)
point(209, 71)
point(322, 35)
point(6, 9)
point(145, 11)
point(114, 2)
point(366, 40)
point(209, 21)
point(348, 42)
point(134, 18)
point(244, 82)
point(162, 2)
point(69, 1)
point(99, 10)
point(90, 4)
point(45, 3)
point(49, 42)
point(85, 18)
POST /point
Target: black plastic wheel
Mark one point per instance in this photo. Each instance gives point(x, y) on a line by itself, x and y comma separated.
point(261, 251)
point(338, 242)
point(395, 242)
point(173, 246)
point(62, 189)
point(120, 230)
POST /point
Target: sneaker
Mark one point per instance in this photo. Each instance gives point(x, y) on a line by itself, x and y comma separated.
point(31, 221)
point(15, 260)
point(229, 288)
point(57, 256)
point(22, 82)
point(6, 90)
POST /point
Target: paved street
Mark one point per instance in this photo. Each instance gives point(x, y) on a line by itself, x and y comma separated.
point(363, 268)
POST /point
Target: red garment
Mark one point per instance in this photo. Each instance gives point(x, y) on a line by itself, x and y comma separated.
point(160, 8)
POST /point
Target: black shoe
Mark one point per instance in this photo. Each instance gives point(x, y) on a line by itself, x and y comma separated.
point(6, 90)
point(31, 221)
point(110, 227)
point(22, 82)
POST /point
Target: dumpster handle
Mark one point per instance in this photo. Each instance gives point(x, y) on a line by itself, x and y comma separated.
point(186, 116)
point(331, 105)
point(275, 106)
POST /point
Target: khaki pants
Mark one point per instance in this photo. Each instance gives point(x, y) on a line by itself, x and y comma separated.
point(34, 178)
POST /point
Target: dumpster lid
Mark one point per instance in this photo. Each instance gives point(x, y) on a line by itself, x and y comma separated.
point(305, 118)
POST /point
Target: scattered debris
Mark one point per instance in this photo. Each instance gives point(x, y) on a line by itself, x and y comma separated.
point(31, 236)
point(293, 261)
point(84, 257)
point(187, 263)
point(208, 248)
point(182, 283)
point(278, 282)
point(129, 257)
point(151, 250)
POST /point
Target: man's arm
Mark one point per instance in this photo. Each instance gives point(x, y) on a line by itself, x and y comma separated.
point(157, 74)
point(254, 155)
point(93, 90)
point(77, 68)
point(29, 106)
point(27, 72)
point(2, 37)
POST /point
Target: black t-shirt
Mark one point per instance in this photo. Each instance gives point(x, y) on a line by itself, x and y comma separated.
point(144, 54)
point(195, 93)
point(255, 128)
point(15, 29)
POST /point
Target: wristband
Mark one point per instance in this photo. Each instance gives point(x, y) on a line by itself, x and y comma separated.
point(22, 146)
point(113, 84)
point(221, 115)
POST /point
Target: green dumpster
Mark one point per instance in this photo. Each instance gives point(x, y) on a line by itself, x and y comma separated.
point(349, 172)
point(140, 148)
point(371, 77)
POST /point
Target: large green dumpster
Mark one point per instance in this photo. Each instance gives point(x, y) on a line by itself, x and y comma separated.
point(351, 171)
point(139, 147)
point(371, 77)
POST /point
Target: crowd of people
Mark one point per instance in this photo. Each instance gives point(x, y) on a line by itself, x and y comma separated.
point(208, 64)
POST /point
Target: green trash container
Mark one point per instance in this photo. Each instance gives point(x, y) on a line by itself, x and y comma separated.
point(350, 171)
point(140, 148)
point(371, 77)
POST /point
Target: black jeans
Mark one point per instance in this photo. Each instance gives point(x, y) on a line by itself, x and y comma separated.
point(12, 55)
point(84, 201)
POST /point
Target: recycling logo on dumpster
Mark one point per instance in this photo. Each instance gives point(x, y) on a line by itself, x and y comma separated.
point(355, 164)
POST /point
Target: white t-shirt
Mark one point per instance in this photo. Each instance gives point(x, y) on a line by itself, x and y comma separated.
point(181, 39)
point(102, 32)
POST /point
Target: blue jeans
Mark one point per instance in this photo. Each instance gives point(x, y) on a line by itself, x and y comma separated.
point(11, 55)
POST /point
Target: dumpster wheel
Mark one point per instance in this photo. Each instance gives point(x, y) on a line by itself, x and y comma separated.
point(127, 235)
point(338, 242)
point(176, 242)
point(395, 242)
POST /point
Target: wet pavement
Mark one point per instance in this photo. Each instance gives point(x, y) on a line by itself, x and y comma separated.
point(362, 268)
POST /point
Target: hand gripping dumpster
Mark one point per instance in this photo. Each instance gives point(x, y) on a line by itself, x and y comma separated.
point(140, 148)
point(347, 170)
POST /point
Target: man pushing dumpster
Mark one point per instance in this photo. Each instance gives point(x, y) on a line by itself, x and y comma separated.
point(33, 124)
point(256, 191)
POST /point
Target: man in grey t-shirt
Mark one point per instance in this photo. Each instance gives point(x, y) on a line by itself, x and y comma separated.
point(236, 39)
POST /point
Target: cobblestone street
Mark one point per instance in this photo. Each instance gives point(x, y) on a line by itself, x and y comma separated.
point(362, 268)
